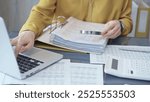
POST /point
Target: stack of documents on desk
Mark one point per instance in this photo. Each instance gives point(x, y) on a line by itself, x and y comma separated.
point(69, 36)
point(63, 73)
point(46, 39)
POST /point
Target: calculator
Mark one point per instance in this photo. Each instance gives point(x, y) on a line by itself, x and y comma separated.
point(128, 68)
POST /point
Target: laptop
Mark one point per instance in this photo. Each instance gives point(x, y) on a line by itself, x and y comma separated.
point(27, 63)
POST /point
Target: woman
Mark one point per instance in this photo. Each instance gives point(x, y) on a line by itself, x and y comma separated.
point(116, 14)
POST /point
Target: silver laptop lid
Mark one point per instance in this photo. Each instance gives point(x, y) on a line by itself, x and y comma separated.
point(8, 62)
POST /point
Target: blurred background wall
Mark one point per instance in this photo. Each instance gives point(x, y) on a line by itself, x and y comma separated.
point(15, 12)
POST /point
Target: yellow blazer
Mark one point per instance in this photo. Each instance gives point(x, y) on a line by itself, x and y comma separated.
point(100, 11)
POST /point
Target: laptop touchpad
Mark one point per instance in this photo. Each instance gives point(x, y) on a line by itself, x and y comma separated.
point(31, 51)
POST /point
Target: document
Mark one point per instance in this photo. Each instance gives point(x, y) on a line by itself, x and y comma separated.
point(44, 42)
point(86, 74)
point(53, 75)
point(71, 31)
point(64, 73)
point(70, 37)
point(97, 58)
point(121, 51)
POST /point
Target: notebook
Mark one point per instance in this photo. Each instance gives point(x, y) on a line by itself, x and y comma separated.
point(27, 63)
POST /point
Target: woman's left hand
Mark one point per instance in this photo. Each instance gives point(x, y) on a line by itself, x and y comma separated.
point(112, 29)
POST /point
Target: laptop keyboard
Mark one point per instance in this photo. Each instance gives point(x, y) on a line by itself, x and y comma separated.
point(26, 63)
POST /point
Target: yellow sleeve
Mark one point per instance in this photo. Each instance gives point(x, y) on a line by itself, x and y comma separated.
point(40, 16)
point(126, 17)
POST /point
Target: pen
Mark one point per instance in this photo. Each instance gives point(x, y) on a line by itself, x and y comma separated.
point(135, 50)
point(90, 32)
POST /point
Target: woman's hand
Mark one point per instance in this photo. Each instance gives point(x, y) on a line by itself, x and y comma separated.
point(23, 42)
point(112, 29)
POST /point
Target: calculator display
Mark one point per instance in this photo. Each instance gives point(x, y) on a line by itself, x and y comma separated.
point(114, 64)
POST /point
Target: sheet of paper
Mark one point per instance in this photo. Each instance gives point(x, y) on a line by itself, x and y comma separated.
point(97, 58)
point(131, 52)
point(53, 75)
point(84, 74)
point(64, 73)
point(45, 37)
point(71, 32)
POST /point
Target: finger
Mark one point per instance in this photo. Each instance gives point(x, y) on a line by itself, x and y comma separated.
point(115, 35)
point(18, 48)
point(14, 41)
point(114, 30)
point(26, 47)
point(107, 34)
point(108, 27)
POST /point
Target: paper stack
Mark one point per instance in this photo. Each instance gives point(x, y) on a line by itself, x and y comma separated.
point(69, 36)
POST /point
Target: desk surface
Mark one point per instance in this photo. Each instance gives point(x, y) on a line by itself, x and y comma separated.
point(108, 79)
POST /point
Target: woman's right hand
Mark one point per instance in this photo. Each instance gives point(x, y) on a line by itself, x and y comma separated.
point(23, 42)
